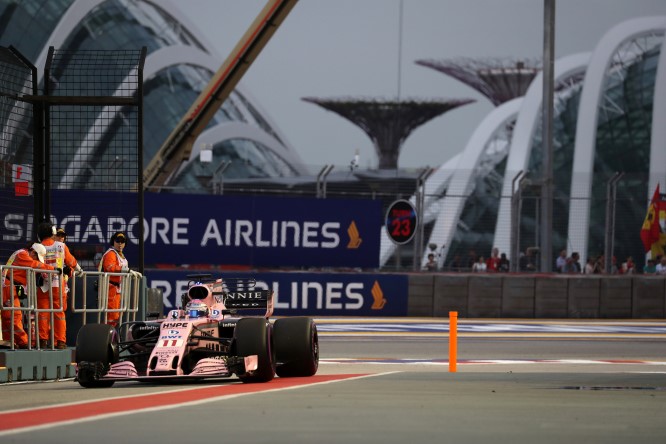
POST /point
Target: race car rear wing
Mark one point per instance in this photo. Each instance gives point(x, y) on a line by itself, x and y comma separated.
point(242, 294)
point(235, 293)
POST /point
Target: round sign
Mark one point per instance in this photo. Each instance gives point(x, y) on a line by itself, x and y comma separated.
point(401, 221)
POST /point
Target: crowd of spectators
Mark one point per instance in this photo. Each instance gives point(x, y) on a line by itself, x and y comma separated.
point(498, 262)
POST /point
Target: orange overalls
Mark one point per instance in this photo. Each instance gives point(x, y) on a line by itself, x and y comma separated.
point(57, 256)
point(20, 258)
point(113, 262)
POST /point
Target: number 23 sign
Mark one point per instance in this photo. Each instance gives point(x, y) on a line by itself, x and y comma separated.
point(401, 221)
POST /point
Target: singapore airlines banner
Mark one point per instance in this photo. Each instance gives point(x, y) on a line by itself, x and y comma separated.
point(220, 230)
point(311, 294)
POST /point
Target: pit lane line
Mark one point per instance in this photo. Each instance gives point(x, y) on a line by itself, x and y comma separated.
point(444, 362)
point(495, 328)
point(31, 419)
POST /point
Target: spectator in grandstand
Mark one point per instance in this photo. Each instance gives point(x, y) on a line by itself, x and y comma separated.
point(470, 260)
point(431, 265)
point(32, 257)
point(456, 264)
point(493, 262)
point(561, 261)
point(661, 266)
point(614, 268)
point(599, 266)
point(628, 266)
point(589, 266)
point(527, 262)
point(650, 267)
point(572, 266)
point(503, 264)
point(480, 265)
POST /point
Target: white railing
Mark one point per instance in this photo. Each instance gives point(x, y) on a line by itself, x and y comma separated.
point(81, 300)
point(97, 303)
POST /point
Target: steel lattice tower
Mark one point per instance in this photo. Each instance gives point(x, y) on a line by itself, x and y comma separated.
point(498, 79)
point(388, 122)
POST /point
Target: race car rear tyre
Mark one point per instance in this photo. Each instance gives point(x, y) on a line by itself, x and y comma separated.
point(254, 337)
point(296, 347)
point(96, 350)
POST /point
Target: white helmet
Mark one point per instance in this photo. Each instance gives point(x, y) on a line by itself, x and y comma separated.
point(40, 250)
point(196, 308)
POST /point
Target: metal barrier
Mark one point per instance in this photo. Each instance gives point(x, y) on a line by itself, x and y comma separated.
point(78, 292)
point(129, 296)
point(30, 303)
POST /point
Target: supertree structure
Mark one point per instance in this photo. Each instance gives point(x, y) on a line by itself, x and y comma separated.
point(499, 79)
point(388, 122)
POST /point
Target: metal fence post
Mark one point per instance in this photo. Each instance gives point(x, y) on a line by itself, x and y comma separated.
point(516, 196)
point(611, 196)
point(420, 205)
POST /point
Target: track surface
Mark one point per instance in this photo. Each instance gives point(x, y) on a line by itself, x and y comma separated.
point(387, 381)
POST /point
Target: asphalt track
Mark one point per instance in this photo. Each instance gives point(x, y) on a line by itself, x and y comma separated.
point(388, 381)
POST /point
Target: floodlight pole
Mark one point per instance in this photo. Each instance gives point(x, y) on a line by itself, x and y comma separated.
point(547, 136)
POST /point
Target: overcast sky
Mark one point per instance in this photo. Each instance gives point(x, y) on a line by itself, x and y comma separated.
point(336, 48)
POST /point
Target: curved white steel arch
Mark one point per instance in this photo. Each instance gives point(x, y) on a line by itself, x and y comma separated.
point(586, 130)
point(459, 187)
point(80, 8)
point(160, 59)
point(233, 130)
point(156, 62)
point(72, 17)
point(521, 143)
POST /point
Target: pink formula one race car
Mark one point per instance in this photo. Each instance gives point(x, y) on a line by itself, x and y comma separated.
point(207, 339)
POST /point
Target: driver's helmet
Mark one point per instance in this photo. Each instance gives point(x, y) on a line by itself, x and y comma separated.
point(196, 308)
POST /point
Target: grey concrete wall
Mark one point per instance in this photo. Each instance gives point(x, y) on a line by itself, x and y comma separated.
point(648, 301)
point(484, 296)
point(420, 300)
point(518, 297)
point(537, 296)
point(450, 293)
point(551, 297)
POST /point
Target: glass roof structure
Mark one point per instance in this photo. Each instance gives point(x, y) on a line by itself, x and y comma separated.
point(179, 65)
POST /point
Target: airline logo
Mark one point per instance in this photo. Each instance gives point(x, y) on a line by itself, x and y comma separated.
point(354, 236)
point(377, 297)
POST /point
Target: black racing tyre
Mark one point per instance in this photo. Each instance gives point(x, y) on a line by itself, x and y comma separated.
point(96, 350)
point(254, 337)
point(296, 347)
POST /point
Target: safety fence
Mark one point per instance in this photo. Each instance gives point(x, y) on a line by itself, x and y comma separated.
point(86, 299)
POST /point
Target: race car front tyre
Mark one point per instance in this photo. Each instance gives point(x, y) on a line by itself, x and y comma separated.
point(254, 337)
point(96, 350)
point(296, 346)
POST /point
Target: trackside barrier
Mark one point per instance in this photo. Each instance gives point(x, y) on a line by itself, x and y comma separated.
point(538, 296)
point(29, 309)
point(130, 289)
point(27, 306)
point(80, 299)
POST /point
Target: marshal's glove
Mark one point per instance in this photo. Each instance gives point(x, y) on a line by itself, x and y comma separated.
point(67, 271)
point(40, 280)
